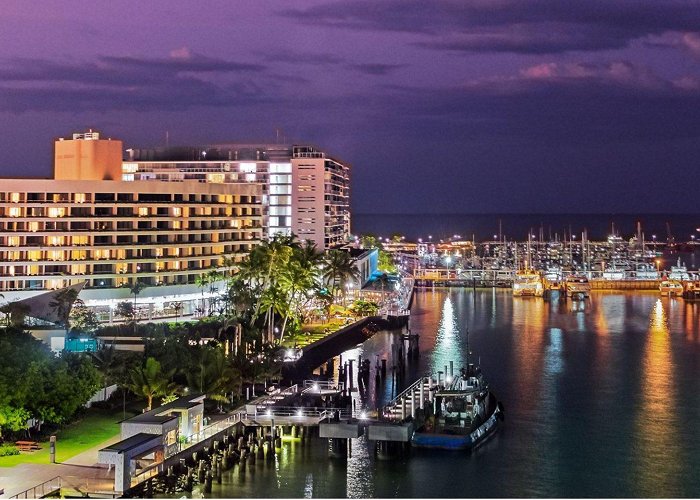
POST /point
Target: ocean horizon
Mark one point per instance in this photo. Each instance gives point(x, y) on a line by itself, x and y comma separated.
point(484, 226)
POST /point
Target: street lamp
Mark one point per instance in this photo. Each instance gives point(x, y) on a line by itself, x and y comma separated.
point(658, 262)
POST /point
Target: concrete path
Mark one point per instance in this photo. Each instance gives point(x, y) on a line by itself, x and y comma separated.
point(23, 477)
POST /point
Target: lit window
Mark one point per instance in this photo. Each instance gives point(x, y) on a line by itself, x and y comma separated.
point(215, 178)
point(14, 197)
point(34, 255)
point(13, 241)
point(57, 212)
point(248, 167)
point(80, 240)
point(143, 211)
point(15, 212)
point(177, 211)
point(55, 241)
point(130, 167)
point(79, 197)
point(128, 177)
point(78, 255)
point(280, 168)
point(55, 255)
point(250, 177)
point(281, 189)
point(34, 226)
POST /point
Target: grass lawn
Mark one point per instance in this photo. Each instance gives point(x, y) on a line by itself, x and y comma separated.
point(312, 332)
point(93, 428)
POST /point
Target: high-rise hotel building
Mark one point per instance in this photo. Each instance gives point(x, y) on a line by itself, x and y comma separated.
point(305, 191)
point(89, 225)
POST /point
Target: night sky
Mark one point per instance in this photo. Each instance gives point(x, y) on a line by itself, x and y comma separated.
point(439, 105)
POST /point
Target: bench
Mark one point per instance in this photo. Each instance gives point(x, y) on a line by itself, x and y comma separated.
point(27, 445)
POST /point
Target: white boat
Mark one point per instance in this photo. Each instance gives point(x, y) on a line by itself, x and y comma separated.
point(679, 272)
point(527, 283)
point(577, 287)
point(671, 288)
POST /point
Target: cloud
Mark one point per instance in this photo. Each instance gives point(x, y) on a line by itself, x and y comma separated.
point(182, 80)
point(686, 41)
point(376, 69)
point(519, 26)
point(311, 58)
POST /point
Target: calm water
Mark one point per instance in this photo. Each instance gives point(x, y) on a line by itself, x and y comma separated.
point(601, 399)
point(484, 226)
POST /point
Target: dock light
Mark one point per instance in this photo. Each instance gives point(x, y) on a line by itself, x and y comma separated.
point(448, 380)
point(316, 388)
point(363, 415)
point(269, 413)
point(300, 413)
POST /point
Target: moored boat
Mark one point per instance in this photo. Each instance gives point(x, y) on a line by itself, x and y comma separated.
point(671, 288)
point(465, 413)
point(527, 283)
point(577, 287)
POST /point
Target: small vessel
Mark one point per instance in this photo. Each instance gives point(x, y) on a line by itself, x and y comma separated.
point(577, 287)
point(671, 288)
point(527, 283)
point(691, 290)
point(464, 414)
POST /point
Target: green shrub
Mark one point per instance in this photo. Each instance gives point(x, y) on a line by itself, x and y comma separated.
point(8, 449)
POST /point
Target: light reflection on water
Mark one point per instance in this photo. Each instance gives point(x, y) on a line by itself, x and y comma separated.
point(601, 399)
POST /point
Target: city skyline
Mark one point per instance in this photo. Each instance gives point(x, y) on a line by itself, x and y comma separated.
point(458, 107)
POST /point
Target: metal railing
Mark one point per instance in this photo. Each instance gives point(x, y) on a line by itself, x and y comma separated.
point(391, 405)
point(41, 490)
point(319, 385)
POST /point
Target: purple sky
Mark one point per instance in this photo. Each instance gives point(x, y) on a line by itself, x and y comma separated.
point(440, 105)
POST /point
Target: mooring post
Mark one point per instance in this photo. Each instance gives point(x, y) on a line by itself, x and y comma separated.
point(413, 403)
point(422, 392)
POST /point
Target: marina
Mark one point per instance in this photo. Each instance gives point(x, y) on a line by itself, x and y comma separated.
point(620, 339)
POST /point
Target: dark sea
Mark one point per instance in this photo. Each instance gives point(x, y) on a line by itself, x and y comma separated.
point(516, 226)
point(601, 397)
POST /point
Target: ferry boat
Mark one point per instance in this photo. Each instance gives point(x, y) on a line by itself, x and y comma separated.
point(577, 287)
point(671, 288)
point(465, 414)
point(527, 283)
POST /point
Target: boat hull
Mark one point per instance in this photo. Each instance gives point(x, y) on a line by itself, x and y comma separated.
point(437, 440)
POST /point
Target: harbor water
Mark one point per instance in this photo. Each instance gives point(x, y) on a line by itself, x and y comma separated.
point(601, 397)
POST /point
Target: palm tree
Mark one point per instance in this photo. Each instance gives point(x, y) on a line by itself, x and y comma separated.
point(338, 271)
point(136, 289)
point(15, 313)
point(210, 375)
point(62, 304)
point(151, 381)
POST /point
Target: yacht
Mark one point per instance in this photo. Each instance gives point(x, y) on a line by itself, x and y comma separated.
point(577, 287)
point(679, 272)
point(671, 288)
point(527, 283)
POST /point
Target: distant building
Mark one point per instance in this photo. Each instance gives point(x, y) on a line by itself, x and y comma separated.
point(305, 192)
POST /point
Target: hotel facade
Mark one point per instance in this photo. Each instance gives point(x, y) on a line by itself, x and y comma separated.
point(305, 191)
point(88, 225)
